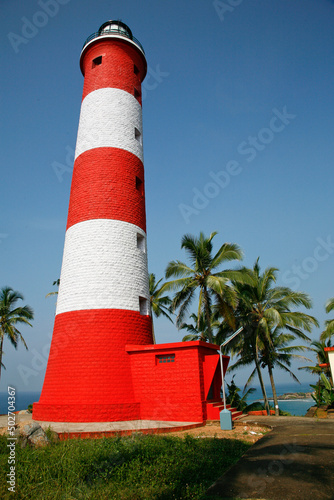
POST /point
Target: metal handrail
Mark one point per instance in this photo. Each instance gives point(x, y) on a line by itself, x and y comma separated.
point(114, 31)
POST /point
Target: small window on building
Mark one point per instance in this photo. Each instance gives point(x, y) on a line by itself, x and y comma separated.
point(140, 242)
point(135, 70)
point(137, 94)
point(139, 185)
point(143, 306)
point(168, 358)
point(138, 135)
point(97, 61)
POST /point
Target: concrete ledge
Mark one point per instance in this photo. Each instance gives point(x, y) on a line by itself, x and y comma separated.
point(96, 430)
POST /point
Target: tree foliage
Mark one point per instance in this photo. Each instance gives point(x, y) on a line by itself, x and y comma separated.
point(203, 275)
point(10, 317)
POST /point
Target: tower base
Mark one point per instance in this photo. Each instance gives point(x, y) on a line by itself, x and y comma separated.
point(171, 382)
point(90, 412)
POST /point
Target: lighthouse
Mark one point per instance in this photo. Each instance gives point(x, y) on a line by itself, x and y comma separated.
point(103, 301)
point(103, 365)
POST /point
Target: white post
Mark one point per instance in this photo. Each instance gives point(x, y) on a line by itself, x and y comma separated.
point(226, 424)
point(223, 381)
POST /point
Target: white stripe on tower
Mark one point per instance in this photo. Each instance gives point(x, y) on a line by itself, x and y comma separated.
point(110, 118)
point(104, 266)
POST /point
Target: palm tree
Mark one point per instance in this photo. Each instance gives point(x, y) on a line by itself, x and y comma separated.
point(321, 368)
point(200, 276)
point(263, 307)
point(329, 324)
point(160, 304)
point(246, 348)
point(199, 329)
point(322, 365)
point(279, 354)
point(57, 282)
point(10, 316)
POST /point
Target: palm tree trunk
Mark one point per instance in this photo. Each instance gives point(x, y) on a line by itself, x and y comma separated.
point(259, 374)
point(1, 345)
point(271, 376)
point(207, 313)
point(153, 335)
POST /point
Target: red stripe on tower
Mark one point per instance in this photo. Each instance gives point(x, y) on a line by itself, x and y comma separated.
point(103, 300)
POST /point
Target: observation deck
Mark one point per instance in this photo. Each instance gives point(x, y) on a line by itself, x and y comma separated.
point(115, 29)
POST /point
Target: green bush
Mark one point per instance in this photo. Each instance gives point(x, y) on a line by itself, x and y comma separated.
point(233, 397)
point(323, 392)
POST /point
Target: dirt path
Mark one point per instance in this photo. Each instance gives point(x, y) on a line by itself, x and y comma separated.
point(242, 430)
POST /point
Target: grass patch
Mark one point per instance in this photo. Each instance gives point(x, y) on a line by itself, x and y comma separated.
point(139, 467)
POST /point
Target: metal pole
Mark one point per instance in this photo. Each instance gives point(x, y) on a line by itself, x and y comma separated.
point(221, 360)
point(223, 381)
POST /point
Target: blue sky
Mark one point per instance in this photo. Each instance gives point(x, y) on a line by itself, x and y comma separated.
point(242, 90)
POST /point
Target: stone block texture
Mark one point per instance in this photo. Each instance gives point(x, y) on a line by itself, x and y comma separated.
point(103, 365)
point(103, 300)
point(176, 390)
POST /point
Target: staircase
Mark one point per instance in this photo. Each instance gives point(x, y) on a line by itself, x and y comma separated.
point(213, 409)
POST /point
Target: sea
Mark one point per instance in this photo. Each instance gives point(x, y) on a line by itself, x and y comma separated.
point(297, 407)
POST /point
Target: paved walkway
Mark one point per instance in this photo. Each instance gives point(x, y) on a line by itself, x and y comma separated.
point(295, 461)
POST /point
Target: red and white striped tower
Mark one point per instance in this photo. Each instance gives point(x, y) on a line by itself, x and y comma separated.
point(103, 300)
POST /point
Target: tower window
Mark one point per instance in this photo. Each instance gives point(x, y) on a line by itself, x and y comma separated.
point(140, 242)
point(139, 185)
point(97, 61)
point(143, 306)
point(138, 135)
point(135, 70)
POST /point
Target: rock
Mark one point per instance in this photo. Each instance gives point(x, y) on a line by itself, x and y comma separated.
point(23, 412)
point(23, 442)
point(29, 429)
point(295, 395)
point(52, 435)
point(32, 433)
point(39, 438)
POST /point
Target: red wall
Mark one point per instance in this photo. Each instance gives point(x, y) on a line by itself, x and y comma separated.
point(115, 54)
point(87, 356)
point(111, 194)
point(175, 391)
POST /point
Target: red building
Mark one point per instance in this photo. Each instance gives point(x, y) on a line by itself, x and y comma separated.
point(103, 365)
